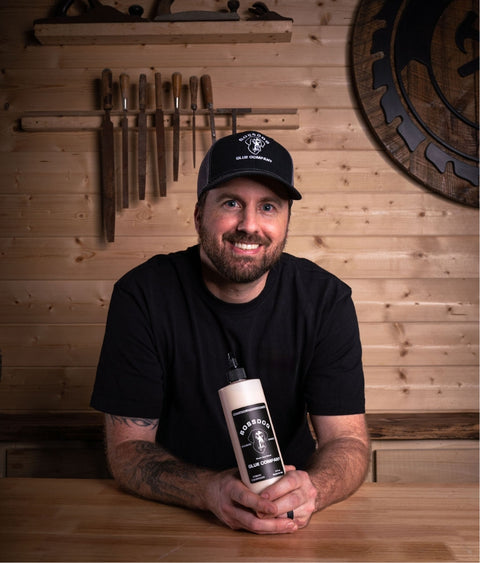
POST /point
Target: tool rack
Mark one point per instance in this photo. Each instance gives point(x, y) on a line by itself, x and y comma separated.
point(248, 118)
point(166, 33)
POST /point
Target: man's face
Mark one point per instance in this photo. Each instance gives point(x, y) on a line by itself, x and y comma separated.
point(242, 229)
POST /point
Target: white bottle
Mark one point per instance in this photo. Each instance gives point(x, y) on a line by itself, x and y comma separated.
point(251, 430)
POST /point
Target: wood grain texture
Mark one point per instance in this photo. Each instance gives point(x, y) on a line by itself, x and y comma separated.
point(35, 426)
point(41, 519)
point(426, 466)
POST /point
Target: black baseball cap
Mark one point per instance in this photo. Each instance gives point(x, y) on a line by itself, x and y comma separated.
point(247, 154)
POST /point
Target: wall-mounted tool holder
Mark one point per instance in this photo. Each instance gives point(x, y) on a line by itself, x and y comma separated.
point(105, 25)
point(248, 119)
point(163, 33)
point(110, 122)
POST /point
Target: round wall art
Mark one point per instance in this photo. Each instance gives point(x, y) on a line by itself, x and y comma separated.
point(415, 73)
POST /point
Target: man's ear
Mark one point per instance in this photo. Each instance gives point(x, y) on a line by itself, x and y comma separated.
point(196, 216)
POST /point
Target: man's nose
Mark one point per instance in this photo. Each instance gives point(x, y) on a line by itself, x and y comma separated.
point(248, 220)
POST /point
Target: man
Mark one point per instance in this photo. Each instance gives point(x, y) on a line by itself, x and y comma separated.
point(173, 321)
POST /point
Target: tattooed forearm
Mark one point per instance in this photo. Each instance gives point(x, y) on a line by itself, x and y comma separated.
point(147, 469)
point(141, 422)
point(168, 479)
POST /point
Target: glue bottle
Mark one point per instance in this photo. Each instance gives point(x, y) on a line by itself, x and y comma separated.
point(251, 430)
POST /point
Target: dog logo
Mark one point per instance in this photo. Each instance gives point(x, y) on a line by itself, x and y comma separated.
point(255, 144)
point(258, 439)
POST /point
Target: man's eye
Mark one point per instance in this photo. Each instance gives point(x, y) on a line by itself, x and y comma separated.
point(268, 207)
point(231, 203)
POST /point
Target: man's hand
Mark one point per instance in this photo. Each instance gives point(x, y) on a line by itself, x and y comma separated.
point(293, 492)
point(239, 508)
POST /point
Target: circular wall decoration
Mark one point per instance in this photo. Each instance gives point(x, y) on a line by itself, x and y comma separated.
point(415, 72)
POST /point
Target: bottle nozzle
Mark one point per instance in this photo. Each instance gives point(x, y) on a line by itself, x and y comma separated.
point(232, 361)
point(234, 373)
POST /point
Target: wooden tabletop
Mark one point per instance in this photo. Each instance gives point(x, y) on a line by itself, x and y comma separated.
point(91, 520)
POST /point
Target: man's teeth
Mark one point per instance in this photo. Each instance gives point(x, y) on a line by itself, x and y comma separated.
point(244, 246)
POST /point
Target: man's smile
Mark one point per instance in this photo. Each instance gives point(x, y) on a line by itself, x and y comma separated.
point(245, 246)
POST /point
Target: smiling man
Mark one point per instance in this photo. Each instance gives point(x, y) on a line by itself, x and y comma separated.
point(172, 323)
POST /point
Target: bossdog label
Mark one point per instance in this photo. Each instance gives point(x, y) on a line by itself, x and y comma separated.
point(259, 448)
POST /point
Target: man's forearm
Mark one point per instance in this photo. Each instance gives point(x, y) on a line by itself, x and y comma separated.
point(337, 470)
point(148, 470)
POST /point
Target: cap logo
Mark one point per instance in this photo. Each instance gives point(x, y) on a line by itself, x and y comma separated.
point(255, 145)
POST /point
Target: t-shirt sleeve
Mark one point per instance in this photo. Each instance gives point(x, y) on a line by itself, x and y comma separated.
point(129, 380)
point(335, 381)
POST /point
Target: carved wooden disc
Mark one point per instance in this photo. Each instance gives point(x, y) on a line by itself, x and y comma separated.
point(415, 72)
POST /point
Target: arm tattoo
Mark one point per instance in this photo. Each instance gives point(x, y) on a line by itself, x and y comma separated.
point(168, 479)
point(145, 468)
point(133, 421)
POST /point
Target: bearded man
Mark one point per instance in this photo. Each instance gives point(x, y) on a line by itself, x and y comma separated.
point(174, 320)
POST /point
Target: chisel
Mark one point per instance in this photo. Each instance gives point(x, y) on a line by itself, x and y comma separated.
point(160, 134)
point(142, 136)
point(193, 105)
point(208, 97)
point(108, 162)
point(176, 86)
point(124, 86)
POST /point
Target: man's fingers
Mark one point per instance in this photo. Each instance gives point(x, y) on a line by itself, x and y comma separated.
point(246, 498)
point(294, 492)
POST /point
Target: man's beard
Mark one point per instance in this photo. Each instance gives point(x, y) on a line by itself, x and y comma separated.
point(240, 269)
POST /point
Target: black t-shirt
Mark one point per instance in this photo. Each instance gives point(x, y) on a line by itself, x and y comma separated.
point(167, 338)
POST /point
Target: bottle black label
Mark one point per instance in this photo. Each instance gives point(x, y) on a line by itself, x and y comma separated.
point(259, 447)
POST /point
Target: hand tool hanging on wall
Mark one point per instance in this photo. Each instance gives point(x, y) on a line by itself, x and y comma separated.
point(193, 105)
point(96, 13)
point(142, 136)
point(176, 88)
point(160, 136)
point(108, 162)
point(206, 82)
point(124, 86)
point(162, 13)
point(260, 11)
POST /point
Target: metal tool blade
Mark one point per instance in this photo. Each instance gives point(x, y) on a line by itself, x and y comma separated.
point(124, 86)
point(142, 136)
point(206, 82)
point(108, 160)
point(193, 105)
point(160, 136)
point(176, 86)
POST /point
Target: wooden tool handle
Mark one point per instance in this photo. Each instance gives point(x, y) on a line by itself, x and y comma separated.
point(107, 89)
point(207, 90)
point(142, 92)
point(124, 87)
point(177, 86)
point(158, 90)
point(193, 92)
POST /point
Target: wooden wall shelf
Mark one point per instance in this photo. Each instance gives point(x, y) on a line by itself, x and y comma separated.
point(151, 33)
point(247, 119)
point(383, 426)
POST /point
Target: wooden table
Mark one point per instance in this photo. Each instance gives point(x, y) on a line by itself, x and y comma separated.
point(91, 520)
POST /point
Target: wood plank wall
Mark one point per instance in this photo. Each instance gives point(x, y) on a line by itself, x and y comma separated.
point(410, 256)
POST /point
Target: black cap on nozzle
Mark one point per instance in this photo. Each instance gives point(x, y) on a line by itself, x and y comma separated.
point(235, 373)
